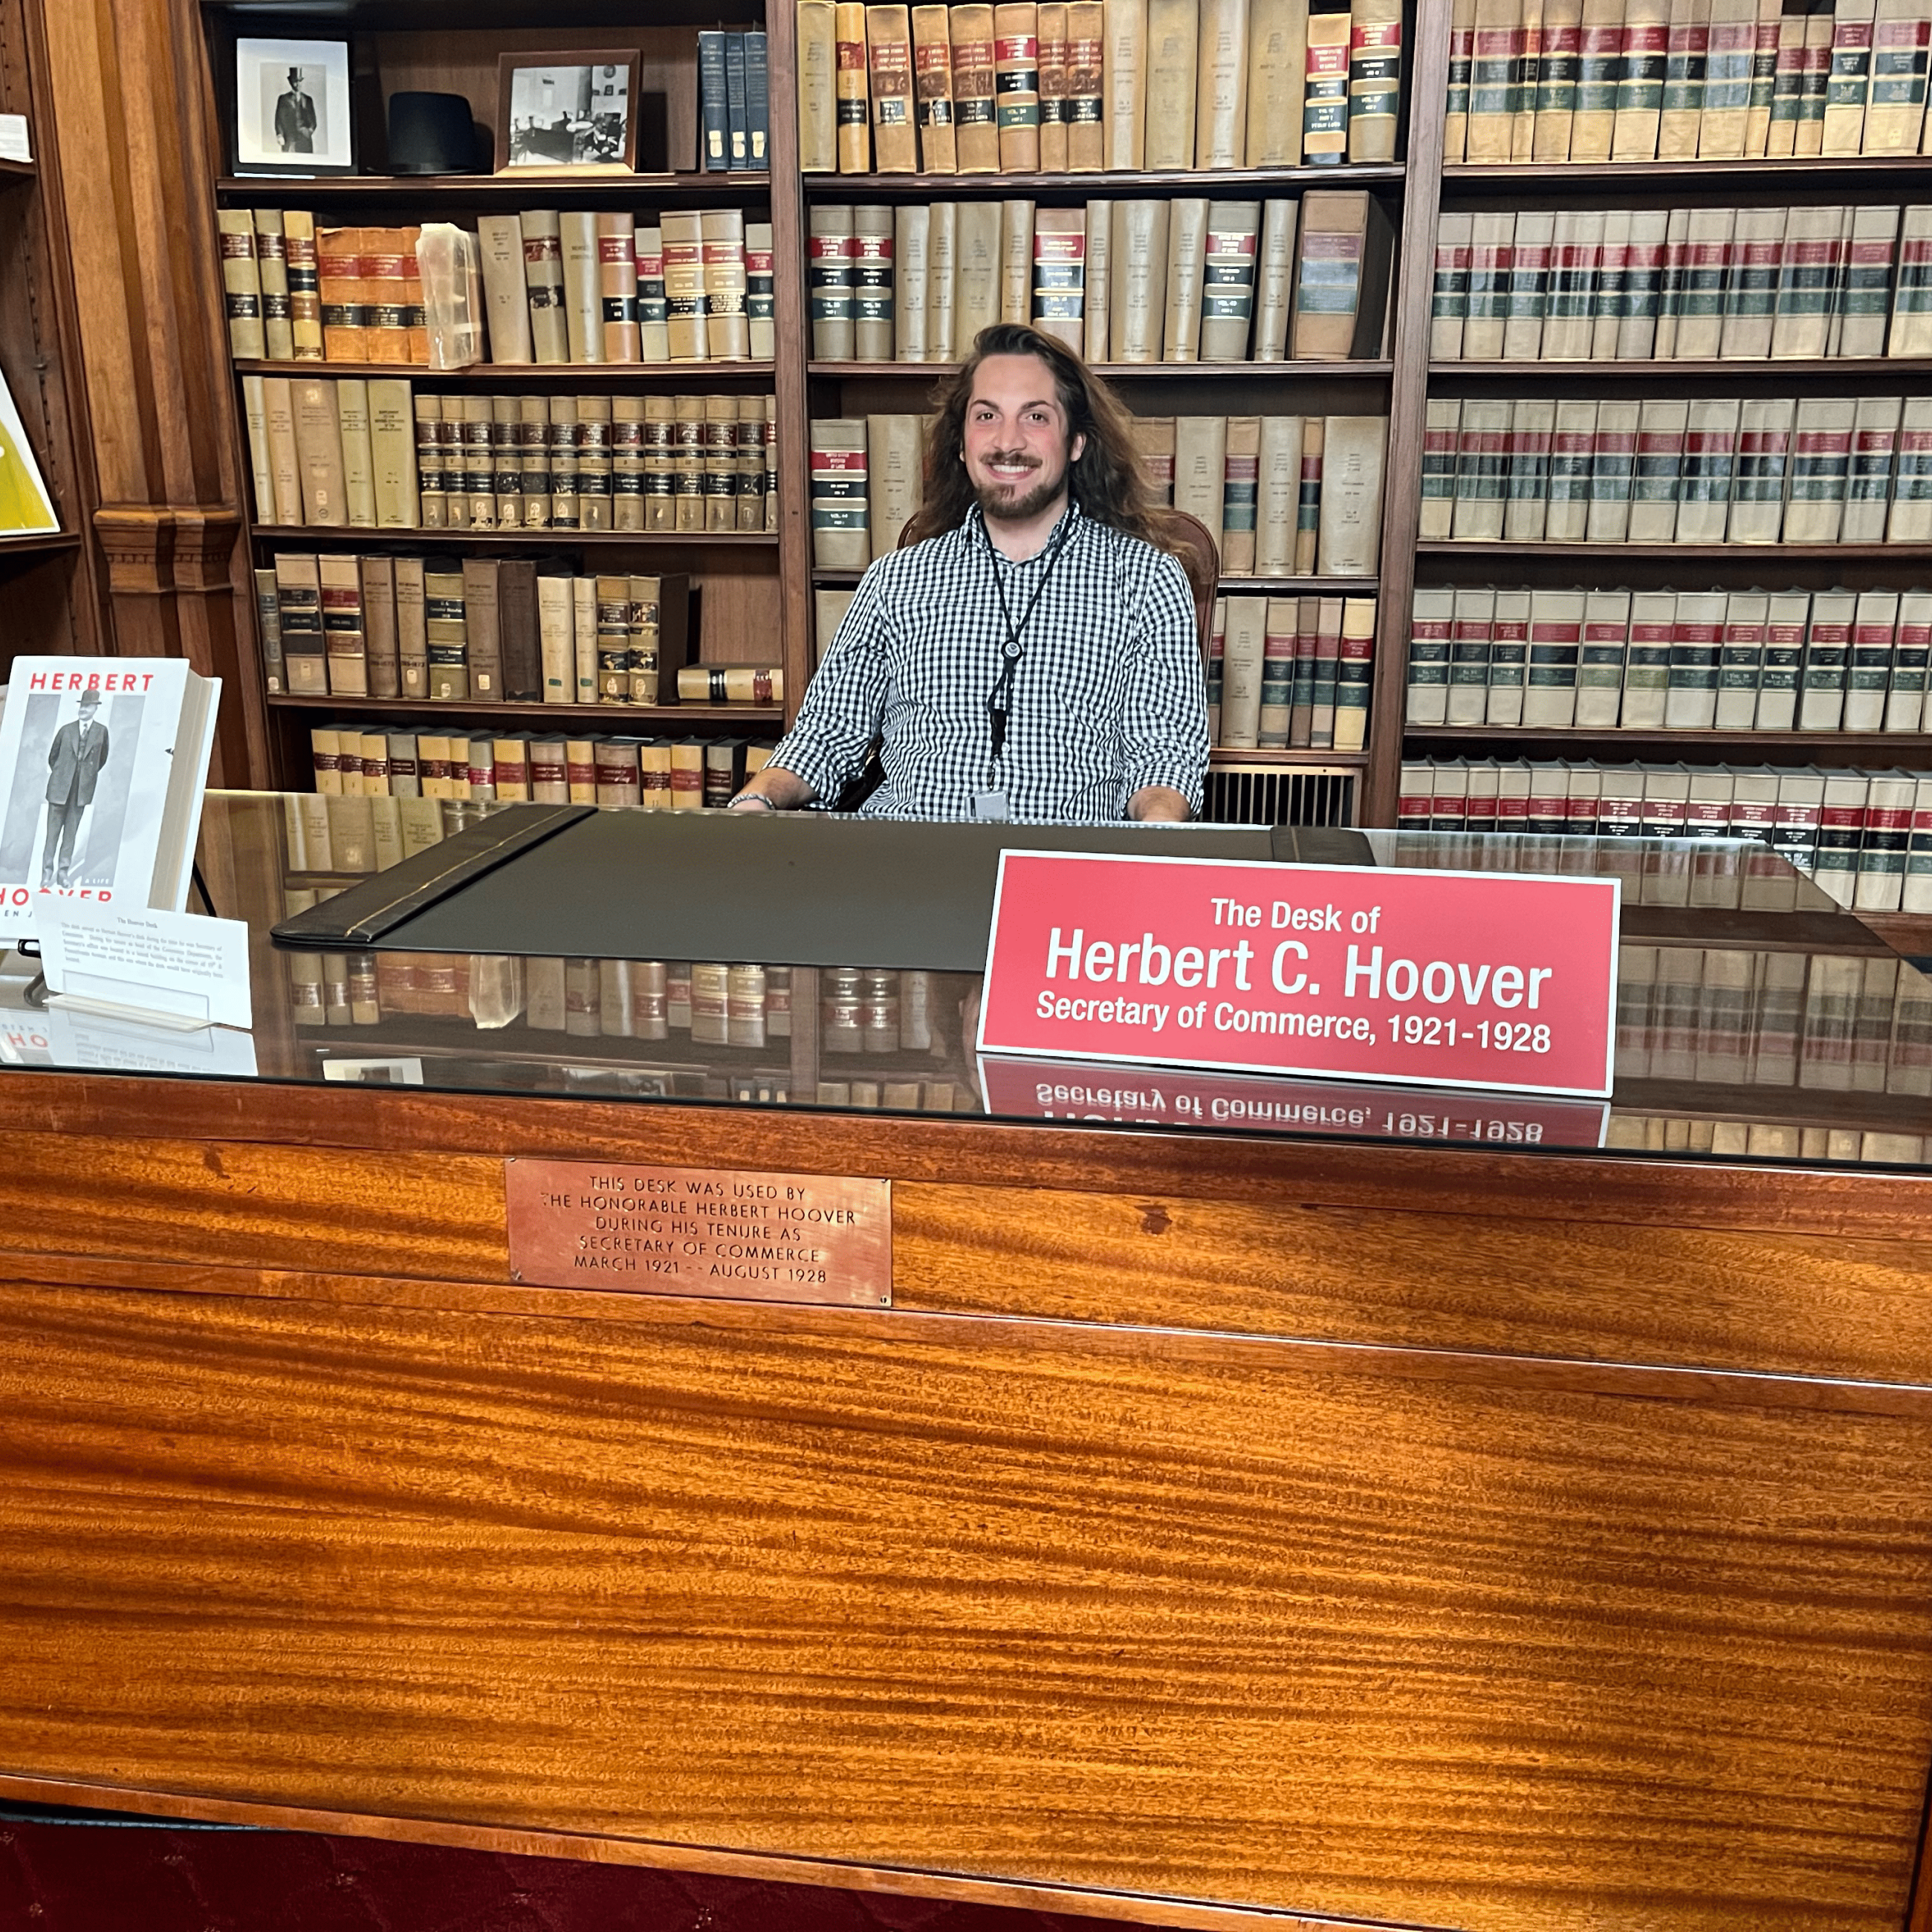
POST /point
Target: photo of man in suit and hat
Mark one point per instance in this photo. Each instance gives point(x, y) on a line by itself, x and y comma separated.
point(74, 759)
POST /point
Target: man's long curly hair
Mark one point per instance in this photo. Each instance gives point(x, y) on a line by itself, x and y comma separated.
point(1105, 480)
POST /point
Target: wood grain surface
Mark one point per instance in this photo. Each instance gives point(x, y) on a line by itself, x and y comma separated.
point(1313, 1629)
point(1597, 1290)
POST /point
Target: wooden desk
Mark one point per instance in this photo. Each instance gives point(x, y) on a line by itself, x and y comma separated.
point(1491, 1541)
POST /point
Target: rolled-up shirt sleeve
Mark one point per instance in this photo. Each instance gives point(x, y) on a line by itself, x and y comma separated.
point(844, 703)
point(1164, 720)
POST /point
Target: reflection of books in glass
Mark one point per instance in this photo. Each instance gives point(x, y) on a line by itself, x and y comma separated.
point(25, 504)
point(102, 766)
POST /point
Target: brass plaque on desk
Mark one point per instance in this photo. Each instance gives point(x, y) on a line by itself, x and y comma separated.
point(741, 1237)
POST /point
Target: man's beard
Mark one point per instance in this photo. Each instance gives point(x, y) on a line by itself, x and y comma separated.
point(995, 500)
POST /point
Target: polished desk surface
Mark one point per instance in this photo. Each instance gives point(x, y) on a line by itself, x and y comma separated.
point(1756, 1019)
point(1222, 1524)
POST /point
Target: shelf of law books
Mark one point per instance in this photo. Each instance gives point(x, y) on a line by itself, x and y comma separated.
point(511, 437)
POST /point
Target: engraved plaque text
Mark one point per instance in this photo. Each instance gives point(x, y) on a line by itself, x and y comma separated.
point(742, 1237)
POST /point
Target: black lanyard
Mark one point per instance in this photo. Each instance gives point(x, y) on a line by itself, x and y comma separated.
point(999, 700)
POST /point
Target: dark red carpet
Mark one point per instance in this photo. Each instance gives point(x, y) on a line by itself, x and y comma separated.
point(62, 1878)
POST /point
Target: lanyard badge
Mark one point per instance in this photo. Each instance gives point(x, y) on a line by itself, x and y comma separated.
point(999, 700)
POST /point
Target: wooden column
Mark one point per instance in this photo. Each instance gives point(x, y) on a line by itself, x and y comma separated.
point(132, 128)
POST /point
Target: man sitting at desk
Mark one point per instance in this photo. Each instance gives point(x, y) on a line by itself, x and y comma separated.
point(1040, 658)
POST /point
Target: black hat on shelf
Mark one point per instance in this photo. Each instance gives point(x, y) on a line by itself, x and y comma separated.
point(431, 134)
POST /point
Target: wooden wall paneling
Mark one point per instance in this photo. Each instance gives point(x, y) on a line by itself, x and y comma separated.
point(129, 112)
point(1443, 1642)
point(794, 335)
point(49, 590)
point(1408, 395)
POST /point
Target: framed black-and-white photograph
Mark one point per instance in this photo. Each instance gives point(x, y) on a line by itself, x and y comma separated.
point(292, 114)
point(568, 111)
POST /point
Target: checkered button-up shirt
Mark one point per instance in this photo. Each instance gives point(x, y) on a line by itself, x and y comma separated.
point(1107, 695)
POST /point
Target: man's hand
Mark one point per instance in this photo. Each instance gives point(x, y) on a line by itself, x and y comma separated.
point(774, 789)
point(1161, 803)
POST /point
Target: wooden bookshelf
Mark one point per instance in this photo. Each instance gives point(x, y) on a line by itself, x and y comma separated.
point(51, 585)
point(549, 376)
point(773, 590)
point(763, 716)
point(312, 536)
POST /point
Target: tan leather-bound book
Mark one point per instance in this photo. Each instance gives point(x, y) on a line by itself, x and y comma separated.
point(1086, 96)
point(1277, 74)
point(1730, 45)
point(1895, 116)
point(593, 466)
point(818, 58)
point(727, 327)
point(341, 579)
point(432, 483)
point(1138, 307)
point(285, 468)
point(392, 443)
point(761, 294)
point(932, 90)
point(506, 301)
point(895, 456)
point(1324, 94)
point(942, 273)
point(339, 281)
point(304, 284)
point(839, 536)
point(872, 228)
point(386, 293)
point(1240, 476)
point(653, 335)
point(1154, 438)
point(1173, 48)
point(1053, 88)
point(1491, 77)
point(298, 601)
point(255, 412)
point(1124, 83)
point(318, 429)
point(1352, 450)
point(1341, 282)
point(1375, 84)
point(829, 289)
point(1016, 82)
point(660, 450)
point(1059, 274)
point(378, 576)
point(533, 460)
point(1227, 290)
point(721, 463)
point(1099, 275)
point(854, 98)
point(617, 287)
point(828, 612)
point(1308, 510)
point(912, 259)
point(1186, 265)
point(478, 461)
point(1274, 281)
point(411, 640)
point(1556, 80)
point(1599, 63)
point(241, 284)
point(1848, 92)
point(975, 281)
point(888, 57)
point(688, 466)
point(1221, 85)
point(685, 330)
point(755, 506)
point(543, 275)
point(1277, 495)
point(1640, 82)
point(565, 512)
point(974, 88)
point(1462, 61)
point(582, 309)
point(1016, 262)
point(1243, 659)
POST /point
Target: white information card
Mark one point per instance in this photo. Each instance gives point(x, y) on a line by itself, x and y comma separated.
point(172, 968)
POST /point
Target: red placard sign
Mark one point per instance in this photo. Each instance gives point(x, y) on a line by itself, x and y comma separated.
point(1487, 980)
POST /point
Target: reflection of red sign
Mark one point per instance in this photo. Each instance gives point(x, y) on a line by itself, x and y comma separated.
point(1059, 1090)
point(1485, 980)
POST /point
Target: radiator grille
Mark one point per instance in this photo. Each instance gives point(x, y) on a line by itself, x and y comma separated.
point(1278, 795)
